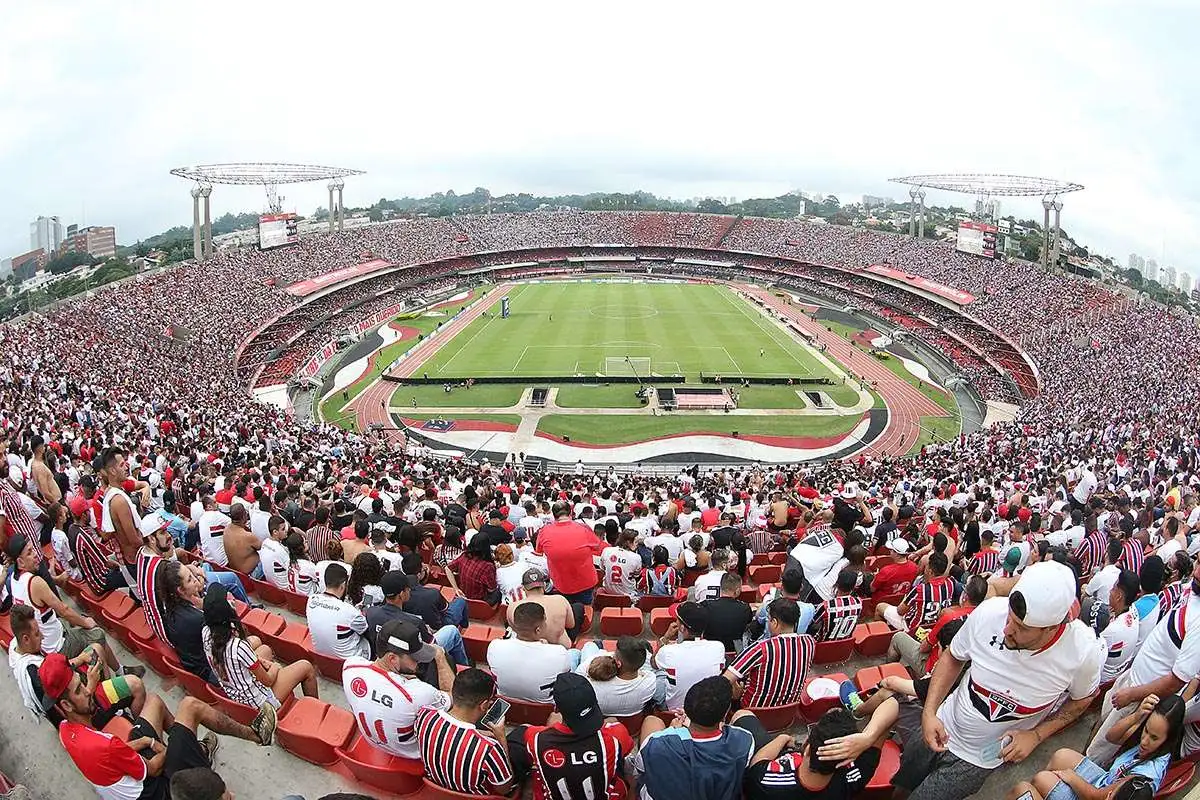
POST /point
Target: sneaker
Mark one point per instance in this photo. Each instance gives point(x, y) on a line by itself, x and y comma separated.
point(263, 725)
point(849, 696)
point(18, 792)
point(135, 671)
point(210, 744)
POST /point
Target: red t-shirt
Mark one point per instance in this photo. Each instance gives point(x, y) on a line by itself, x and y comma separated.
point(709, 517)
point(109, 764)
point(894, 578)
point(957, 612)
point(569, 547)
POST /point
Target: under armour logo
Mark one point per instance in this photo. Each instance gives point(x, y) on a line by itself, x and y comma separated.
point(997, 642)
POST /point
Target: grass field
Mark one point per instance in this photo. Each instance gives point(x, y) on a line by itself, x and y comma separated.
point(588, 329)
point(621, 429)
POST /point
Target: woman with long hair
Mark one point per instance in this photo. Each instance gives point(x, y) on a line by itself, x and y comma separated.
point(302, 574)
point(247, 672)
point(179, 593)
point(1149, 738)
point(661, 580)
point(363, 590)
point(473, 574)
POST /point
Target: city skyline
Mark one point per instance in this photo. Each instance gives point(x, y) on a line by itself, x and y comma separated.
point(397, 105)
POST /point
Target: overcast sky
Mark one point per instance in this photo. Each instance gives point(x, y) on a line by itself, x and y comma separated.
point(100, 99)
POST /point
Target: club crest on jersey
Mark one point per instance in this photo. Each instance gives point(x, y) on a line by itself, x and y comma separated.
point(997, 707)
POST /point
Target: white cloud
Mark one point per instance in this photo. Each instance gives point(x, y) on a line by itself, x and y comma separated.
point(101, 100)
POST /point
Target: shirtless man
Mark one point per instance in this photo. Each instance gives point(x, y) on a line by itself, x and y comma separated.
point(559, 616)
point(241, 546)
point(43, 478)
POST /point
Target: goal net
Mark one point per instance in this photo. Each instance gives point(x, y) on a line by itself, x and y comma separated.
point(627, 367)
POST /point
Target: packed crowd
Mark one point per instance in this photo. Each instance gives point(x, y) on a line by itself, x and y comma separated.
point(108, 423)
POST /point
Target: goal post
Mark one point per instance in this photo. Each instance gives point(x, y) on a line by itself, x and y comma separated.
point(624, 366)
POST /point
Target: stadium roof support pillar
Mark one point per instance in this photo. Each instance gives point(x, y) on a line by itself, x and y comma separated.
point(912, 212)
point(1057, 232)
point(332, 211)
point(921, 219)
point(1047, 203)
point(340, 205)
point(197, 252)
point(207, 249)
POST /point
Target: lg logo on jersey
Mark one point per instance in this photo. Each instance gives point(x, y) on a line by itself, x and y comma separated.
point(556, 760)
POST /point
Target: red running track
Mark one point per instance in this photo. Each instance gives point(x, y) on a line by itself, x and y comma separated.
point(905, 403)
point(371, 406)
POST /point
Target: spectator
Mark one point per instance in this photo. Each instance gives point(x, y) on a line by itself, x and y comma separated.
point(273, 555)
point(457, 755)
point(212, 524)
point(244, 666)
point(728, 615)
point(770, 673)
point(623, 683)
point(178, 589)
point(363, 589)
point(684, 655)
point(525, 666)
point(561, 618)
point(302, 575)
point(569, 548)
point(509, 572)
point(924, 601)
point(386, 694)
point(474, 573)
point(241, 545)
point(318, 537)
point(837, 617)
point(661, 579)
point(337, 627)
point(622, 566)
point(1118, 626)
point(791, 585)
point(960, 746)
point(428, 603)
point(397, 591)
point(578, 753)
point(198, 783)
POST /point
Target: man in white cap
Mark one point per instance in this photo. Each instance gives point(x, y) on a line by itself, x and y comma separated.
point(1024, 656)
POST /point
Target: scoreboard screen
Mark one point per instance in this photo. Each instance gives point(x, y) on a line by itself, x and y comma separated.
point(977, 238)
point(276, 230)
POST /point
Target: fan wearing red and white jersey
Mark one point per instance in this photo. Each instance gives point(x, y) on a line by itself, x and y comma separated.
point(212, 524)
point(1120, 636)
point(837, 617)
point(925, 600)
point(771, 672)
point(386, 694)
point(1023, 657)
point(336, 627)
point(622, 566)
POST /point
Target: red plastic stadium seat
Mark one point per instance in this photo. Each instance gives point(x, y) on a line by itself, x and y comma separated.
point(835, 651)
point(90, 601)
point(297, 603)
point(872, 638)
point(313, 730)
point(812, 709)
point(379, 769)
point(777, 719)
point(867, 677)
point(778, 557)
point(870, 603)
point(525, 713)
point(1178, 776)
point(764, 589)
point(769, 573)
point(292, 643)
point(633, 723)
point(263, 623)
point(194, 685)
point(610, 600)
point(880, 786)
point(660, 620)
point(760, 559)
point(115, 607)
point(431, 791)
point(481, 611)
point(621, 622)
point(588, 617)
point(270, 593)
point(329, 666)
point(650, 602)
point(476, 639)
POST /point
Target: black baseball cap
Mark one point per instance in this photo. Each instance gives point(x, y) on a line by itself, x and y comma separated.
point(394, 582)
point(403, 638)
point(575, 698)
point(692, 615)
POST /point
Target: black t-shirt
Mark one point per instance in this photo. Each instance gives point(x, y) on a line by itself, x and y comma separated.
point(381, 613)
point(184, 627)
point(846, 516)
point(429, 605)
point(305, 519)
point(727, 620)
point(777, 780)
point(881, 532)
point(494, 534)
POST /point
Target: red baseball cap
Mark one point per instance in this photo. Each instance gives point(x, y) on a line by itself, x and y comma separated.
point(55, 674)
point(1023, 513)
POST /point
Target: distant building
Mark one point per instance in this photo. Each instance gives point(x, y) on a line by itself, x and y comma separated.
point(98, 242)
point(26, 265)
point(1185, 282)
point(1138, 263)
point(1151, 273)
point(45, 233)
point(5, 268)
point(1168, 276)
point(871, 201)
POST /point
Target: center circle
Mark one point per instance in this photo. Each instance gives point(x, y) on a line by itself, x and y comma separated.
point(627, 312)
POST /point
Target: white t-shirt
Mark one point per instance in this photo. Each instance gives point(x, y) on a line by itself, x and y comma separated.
point(1008, 690)
point(275, 562)
point(645, 527)
point(1102, 583)
point(20, 663)
point(385, 705)
point(674, 544)
point(212, 525)
point(686, 664)
point(508, 578)
point(1173, 647)
point(526, 670)
point(336, 627)
point(1119, 641)
point(303, 577)
point(708, 585)
point(320, 567)
point(260, 524)
point(817, 552)
point(1086, 486)
point(621, 570)
point(620, 697)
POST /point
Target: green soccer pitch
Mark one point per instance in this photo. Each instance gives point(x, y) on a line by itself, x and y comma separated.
point(572, 328)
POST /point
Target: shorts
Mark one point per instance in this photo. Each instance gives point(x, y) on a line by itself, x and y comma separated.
point(183, 752)
point(76, 640)
point(1087, 769)
point(936, 776)
point(891, 615)
point(752, 725)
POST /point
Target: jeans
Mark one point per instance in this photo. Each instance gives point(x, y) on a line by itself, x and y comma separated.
point(227, 579)
point(456, 612)
point(449, 639)
point(258, 573)
point(583, 598)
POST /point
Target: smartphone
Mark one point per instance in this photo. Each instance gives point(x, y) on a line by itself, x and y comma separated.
point(495, 713)
point(95, 659)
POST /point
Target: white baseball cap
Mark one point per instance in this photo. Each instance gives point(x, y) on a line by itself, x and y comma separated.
point(898, 546)
point(1049, 591)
